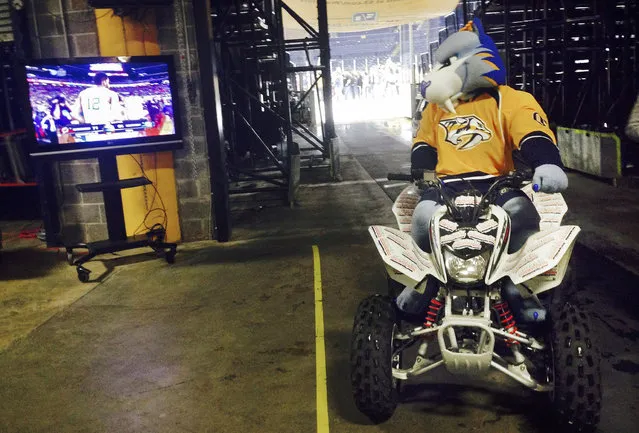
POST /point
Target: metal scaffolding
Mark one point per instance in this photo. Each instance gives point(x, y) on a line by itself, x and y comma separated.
point(577, 57)
point(274, 112)
point(12, 47)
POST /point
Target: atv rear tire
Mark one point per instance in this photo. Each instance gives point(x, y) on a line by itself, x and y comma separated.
point(372, 382)
point(577, 375)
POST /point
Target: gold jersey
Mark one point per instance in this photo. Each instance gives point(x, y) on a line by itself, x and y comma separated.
point(483, 133)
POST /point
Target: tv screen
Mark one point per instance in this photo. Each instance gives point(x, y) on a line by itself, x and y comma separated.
point(81, 107)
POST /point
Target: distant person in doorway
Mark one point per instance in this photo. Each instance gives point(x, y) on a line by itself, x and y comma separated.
point(338, 84)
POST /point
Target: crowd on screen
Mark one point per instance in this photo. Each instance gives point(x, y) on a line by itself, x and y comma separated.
point(54, 105)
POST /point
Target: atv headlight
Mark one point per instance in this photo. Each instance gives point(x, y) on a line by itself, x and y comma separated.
point(466, 270)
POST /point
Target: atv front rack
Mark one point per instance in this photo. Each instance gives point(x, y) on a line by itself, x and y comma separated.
point(468, 362)
point(476, 359)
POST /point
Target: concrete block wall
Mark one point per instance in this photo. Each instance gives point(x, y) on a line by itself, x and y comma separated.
point(191, 163)
point(67, 29)
point(70, 31)
point(51, 19)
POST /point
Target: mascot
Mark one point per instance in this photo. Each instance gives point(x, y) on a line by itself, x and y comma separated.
point(468, 132)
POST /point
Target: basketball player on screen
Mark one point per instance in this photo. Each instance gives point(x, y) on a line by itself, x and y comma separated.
point(99, 105)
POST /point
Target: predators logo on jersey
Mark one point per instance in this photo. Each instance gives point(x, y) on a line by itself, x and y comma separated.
point(465, 132)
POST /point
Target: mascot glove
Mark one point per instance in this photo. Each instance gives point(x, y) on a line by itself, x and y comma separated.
point(549, 178)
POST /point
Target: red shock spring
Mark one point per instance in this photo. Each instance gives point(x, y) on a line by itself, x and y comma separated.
point(433, 310)
point(507, 320)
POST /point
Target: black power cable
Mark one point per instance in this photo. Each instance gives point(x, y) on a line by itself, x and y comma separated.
point(151, 209)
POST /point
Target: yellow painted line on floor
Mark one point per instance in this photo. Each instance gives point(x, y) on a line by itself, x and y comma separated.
point(321, 395)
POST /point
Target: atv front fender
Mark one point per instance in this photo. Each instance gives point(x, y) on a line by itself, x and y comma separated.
point(405, 261)
point(541, 252)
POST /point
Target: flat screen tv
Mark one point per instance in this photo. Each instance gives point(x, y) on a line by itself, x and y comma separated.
point(83, 107)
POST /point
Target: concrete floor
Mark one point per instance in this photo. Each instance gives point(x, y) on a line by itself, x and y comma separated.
point(224, 339)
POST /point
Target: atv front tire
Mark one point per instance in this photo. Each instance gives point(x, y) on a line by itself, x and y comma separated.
point(372, 381)
point(577, 375)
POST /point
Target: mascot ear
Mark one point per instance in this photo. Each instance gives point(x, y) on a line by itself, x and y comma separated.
point(478, 27)
point(499, 74)
point(468, 27)
point(474, 26)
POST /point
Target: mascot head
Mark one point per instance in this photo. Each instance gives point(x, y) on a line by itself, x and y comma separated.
point(465, 63)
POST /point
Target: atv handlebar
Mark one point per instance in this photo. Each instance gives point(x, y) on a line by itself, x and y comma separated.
point(515, 180)
point(400, 176)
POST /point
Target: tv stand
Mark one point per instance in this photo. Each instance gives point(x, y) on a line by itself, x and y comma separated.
point(111, 186)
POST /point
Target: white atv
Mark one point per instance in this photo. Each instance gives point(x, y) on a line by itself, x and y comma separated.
point(468, 327)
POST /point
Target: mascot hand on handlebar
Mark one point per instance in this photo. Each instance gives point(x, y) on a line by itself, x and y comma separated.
point(468, 132)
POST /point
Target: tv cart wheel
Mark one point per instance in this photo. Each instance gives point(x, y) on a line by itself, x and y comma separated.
point(170, 256)
point(83, 274)
point(156, 236)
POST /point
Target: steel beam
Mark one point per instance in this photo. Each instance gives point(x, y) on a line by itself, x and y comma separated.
point(212, 113)
point(325, 61)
